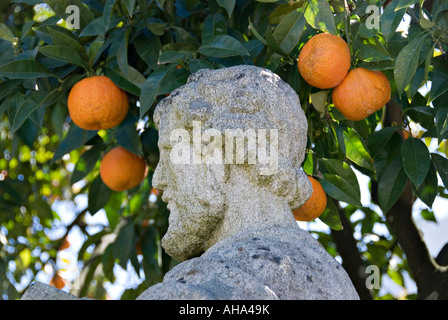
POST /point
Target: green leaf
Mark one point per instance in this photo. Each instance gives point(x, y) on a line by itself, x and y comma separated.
point(60, 7)
point(149, 54)
point(75, 138)
point(416, 160)
point(391, 184)
point(214, 25)
point(129, 4)
point(272, 42)
point(6, 33)
point(427, 191)
point(369, 220)
point(122, 53)
point(319, 100)
point(122, 82)
point(9, 187)
point(340, 182)
point(24, 69)
point(63, 53)
point(151, 88)
point(404, 4)
point(256, 33)
point(86, 162)
point(99, 195)
point(223, 46)
point(319, 15)
point(108, 261)
point(149, 139)
point(95, 49)
point(61, 38)
point(407, 62)
point(441, 164)
point(428, 215)
point(353, 146)
point(379, 139)
point(198, 64)
point(42, 208)
point(183, 36)
point(107, 12)
point(113, 209)
point(229, 5)
point(150, 249)
point(95, 27)
point(127, 135)
point(310, 163)
point(339, 189)
point(330, 216)
point(396, 276)
point(371, 50)
point(29, 105)
point(124, 244)
point(380, 65)
point(288, 32)
point(41, 99)
point(7, 87)
point(157, 28)
point(282, 10)
point(174, 52)
point(442, 123)
point(438, 85)
point(390, 19)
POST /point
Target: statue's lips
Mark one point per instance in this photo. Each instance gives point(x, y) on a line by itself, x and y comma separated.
point(167, 196)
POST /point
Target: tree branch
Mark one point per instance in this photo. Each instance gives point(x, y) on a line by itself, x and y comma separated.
point(351, 258)
point(442, 257)
point(431, 280)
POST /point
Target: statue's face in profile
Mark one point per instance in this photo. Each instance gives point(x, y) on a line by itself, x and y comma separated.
point(192, 196)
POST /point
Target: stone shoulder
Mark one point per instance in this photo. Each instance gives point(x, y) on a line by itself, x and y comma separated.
point(273, 264)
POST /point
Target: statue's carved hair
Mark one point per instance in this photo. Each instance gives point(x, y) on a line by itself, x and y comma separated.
point(248, 97)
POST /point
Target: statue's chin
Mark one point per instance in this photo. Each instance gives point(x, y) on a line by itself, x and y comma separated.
point(190, 227)
point(188, 248)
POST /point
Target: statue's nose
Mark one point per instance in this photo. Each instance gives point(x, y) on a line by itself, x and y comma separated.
point(159, 177)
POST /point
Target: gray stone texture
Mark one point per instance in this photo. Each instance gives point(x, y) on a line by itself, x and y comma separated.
point(42, 291)
point(267, 264)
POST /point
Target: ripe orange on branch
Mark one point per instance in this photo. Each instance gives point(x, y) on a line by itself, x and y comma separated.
point(121, 169)
point(361, 93)
point(314, 206)
point(57, 281)
point(324, 60)
point(96, 103)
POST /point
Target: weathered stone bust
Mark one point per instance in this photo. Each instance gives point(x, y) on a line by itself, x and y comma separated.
point(231, 144)
point(230, 200)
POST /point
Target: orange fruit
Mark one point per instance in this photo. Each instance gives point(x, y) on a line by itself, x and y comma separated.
point(138, 248)
point(314, 206)
point(64, 244)
point(121, 169)
point(361, 93)
point(96, 103)
point(406, 134)
point(57, 281)
point(324, 60)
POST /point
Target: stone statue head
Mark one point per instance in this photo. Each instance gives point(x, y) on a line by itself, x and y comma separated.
point(231, 143)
